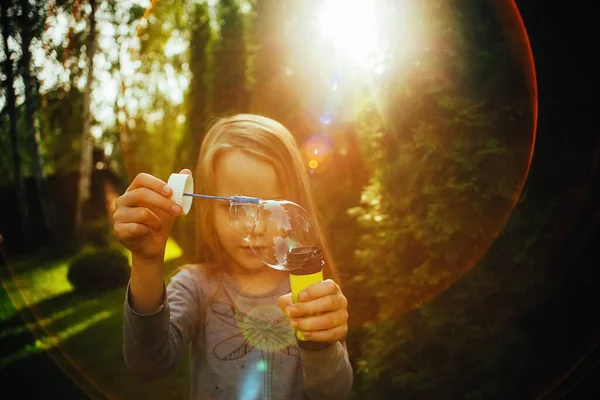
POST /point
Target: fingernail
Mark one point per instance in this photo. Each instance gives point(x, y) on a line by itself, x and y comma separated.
point(176, 209)
point(306, 334)
point(294, 323)
point(293, 311)
point(302, 296)
point(166, 189)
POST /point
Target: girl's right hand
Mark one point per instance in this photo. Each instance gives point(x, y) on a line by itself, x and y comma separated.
point(144, 217)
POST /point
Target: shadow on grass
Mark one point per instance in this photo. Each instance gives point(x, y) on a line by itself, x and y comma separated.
point(94, 344)
point(65, 301)
point(66, 309)
point(37, 376)
point(85, 346)
point(26, 369)
point(38, 258)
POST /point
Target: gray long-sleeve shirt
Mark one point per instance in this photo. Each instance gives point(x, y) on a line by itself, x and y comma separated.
point(242, 346)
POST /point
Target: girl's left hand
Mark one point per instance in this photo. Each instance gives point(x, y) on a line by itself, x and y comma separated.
point(321, 312)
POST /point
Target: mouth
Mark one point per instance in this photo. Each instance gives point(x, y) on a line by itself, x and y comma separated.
point(252, 248)
point(250, 252)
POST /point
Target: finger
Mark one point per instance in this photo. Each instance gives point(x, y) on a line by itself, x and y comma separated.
point(329, 335)
point(140, 215)
point(185, 171)
point(151, 182)
point(319, 289)
point(321, 322)
point(284, 303)
point(323, 304)
point(131, 230)
point(144, 197)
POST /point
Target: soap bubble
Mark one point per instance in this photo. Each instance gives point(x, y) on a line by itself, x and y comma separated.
point(273, 229)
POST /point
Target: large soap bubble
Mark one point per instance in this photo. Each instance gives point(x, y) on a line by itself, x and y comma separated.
point(273, 229)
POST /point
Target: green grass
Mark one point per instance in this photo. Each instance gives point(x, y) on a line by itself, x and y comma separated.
point(40, 316)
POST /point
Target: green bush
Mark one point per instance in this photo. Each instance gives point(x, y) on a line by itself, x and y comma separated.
point(98, 271)
point(96, 232)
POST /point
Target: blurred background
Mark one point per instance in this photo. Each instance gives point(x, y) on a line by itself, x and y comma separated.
point(446, 148)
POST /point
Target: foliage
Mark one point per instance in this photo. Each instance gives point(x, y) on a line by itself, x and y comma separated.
point(230, 92)
point(152, 104)
point(445, 177)
point(96, 232)
point(197, 103)
point(273, 93)
point(99, 271)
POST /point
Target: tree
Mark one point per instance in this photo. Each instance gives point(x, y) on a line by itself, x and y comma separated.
point(230, 93)
point(7, 14)
point(31, 22)
point(153, 96)
point(445, 177)
point(197, 103)
point(445, 168)
point(85, 169)
point(60, 108)
point(273, 94)
point(198, 95)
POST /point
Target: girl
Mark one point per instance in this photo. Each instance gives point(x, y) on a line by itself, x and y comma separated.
point(235, 312)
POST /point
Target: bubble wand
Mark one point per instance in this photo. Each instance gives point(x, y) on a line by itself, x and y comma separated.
point(183, 193)
point(234, 199)
point(290, 244)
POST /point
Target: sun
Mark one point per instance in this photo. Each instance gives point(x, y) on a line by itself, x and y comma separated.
point(351, 27)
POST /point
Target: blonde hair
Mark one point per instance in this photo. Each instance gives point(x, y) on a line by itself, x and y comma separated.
point(270, 141)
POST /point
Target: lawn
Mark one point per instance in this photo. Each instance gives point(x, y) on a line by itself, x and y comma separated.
point(59, 344)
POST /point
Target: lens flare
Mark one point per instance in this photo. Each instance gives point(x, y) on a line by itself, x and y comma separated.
point(268, 334)
point(318, 150)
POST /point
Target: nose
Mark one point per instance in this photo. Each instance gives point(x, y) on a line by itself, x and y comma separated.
point(260, 227)
point(242, 219)
point(267, 226)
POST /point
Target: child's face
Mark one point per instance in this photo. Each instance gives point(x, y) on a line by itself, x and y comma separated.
point(239, 173)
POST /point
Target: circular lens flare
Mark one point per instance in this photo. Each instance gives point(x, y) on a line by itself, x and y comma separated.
point(25, 284)
point(318, 152)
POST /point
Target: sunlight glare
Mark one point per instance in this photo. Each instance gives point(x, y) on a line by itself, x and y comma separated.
point(351, 26)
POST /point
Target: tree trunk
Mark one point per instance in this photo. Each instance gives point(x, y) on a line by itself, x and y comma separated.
point(85, 168)
point(126, 141)
point(198, 96)
point(12, 115)
point(189, 146)
point(271, 92)
point(30, 88)
point(229, 92)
